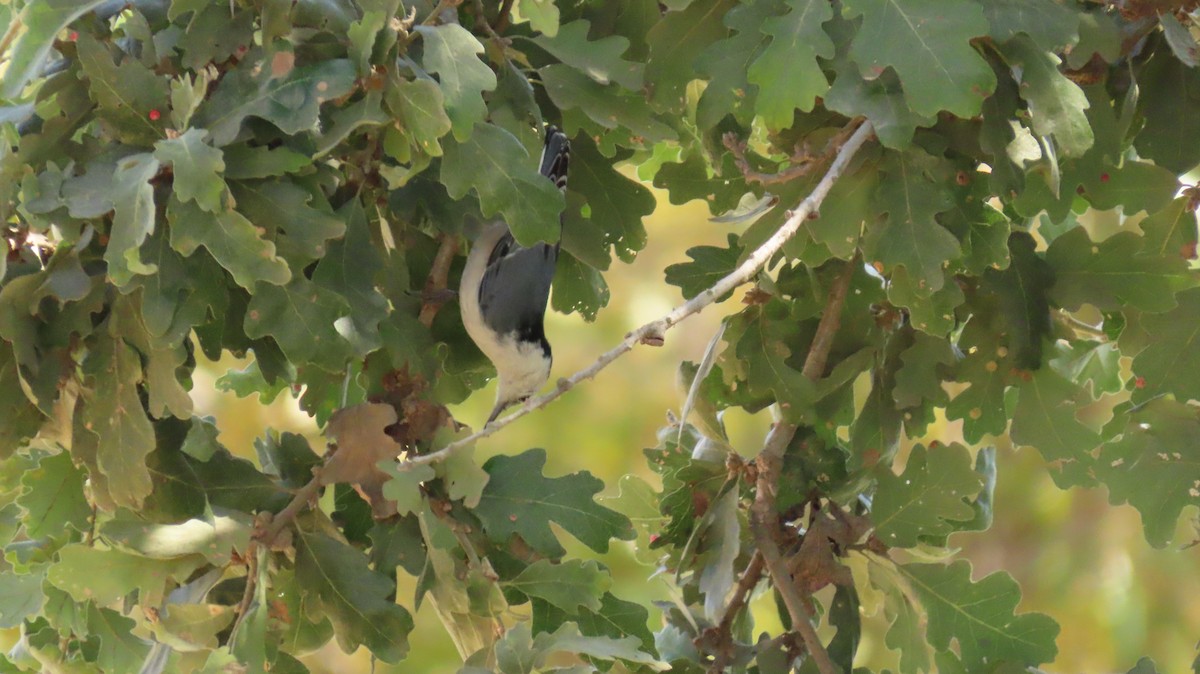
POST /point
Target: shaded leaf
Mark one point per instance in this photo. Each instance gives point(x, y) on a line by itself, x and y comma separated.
point(450, 52)
point(929, 499)
point(518, 499)
point(353, 596)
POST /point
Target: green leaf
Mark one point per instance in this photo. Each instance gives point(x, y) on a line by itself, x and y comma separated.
point(404, 485)
point(1172, 354)
point(231, 239)
point(607, 105)
point(879, 99)
point(542, 15)
point(350, 269)
point(301, 214)
point(213, 34)
point(598, 59)
point(1048, 23)
point(709, 264)
point(451, 52)
point(725, 63)
point(22, 418)
point(494, 164)
point(1115, 273)
point(303, 318)
point(1056, 104)
point(1170, 92)
point(567, 639)
point(216, 537)
point(127, 93)
point(912, 193)
point(519, 500)
point(353, 596)
point(115, 414)
point(120, 649)
point(290, 101)
point(766, 347)
point(21, 596)
point(578, 287)
point(929, 500)
point(675, 42)
point(243, 162)
point(1152, 466)
point(52, 497)
point(366, 112)
point(616, 203)
point(285, 455)
point(927, 42)
point(980, 616)
point(198, 168)
point(463, 477)
point(569, 585)
point(40, 23)
point(1170, 233)
point(787, 72)
point(75, 573)
point(1023, 291)
point(421, 106)
point(919, 378)
point(185, 488)
point(1045, 417)
point(133, 217)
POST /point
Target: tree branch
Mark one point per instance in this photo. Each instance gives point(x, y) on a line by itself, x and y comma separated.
point(803, 161)
point(764, 520)
point(439, 274)
point(503, 17)
point(653, 331)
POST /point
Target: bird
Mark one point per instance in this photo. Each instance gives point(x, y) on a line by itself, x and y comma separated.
point(504, 290)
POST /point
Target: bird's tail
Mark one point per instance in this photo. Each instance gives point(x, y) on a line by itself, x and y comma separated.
point(556, 156)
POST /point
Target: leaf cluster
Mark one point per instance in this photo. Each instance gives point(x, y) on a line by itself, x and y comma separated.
point(290, 182)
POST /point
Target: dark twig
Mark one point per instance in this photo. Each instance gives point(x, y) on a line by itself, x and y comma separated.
point(243, 606)
point(741, 594)
point(504, 17)
point(438, 278)
point(271, 530)
point(803, 162)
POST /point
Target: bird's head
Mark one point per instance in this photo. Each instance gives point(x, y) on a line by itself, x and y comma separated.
point(521, 377)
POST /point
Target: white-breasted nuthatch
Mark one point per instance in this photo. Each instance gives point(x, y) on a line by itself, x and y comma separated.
point(503, 295)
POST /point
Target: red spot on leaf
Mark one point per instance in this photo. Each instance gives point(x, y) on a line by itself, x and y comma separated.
point(512, 518)
point(154, 115)
point(1140, 382)
point(1104, 177)
point(73, 35)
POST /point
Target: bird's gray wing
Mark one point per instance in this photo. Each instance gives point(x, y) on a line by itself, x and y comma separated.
point(516, 286)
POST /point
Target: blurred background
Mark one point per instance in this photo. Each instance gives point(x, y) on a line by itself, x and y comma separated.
point(1077, 559)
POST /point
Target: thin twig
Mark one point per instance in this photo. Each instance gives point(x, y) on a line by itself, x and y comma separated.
point(14, 29)
point(504, 17)
point(653, 331)
point(435, 16)
point(831, 320)
point(741, 594)
point(438, 275)
point(248, 594)
point(284, 517)
point(803, 162)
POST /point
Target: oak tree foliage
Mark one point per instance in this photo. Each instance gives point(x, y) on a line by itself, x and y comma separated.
point(288, 179)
